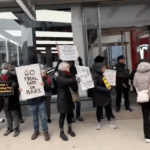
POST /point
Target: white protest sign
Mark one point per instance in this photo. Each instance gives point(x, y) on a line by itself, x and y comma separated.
point(68, 52)
point(110, 76)
point(29, 78)
point(85, 76)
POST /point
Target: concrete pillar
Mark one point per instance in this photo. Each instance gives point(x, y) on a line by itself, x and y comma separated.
point(49, 61)
point(8, 50)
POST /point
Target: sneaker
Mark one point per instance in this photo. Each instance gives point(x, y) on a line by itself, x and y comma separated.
point(71, 132)
point(111, 125)
point(21, 121)
point(16, 133)
point(49, 120)
point(147, 140)
point(63, 136)
point(8, 131)
point(99, 126)
point(129, 109)
point(79, 118)
point(35, 135)
point(118, 110)
point(46, 136)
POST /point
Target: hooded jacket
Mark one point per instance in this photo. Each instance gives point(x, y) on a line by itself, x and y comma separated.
point(100, 95)
point(142, 77)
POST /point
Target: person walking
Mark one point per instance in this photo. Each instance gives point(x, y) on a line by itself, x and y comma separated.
point(142, 83)
point(10, 104)
point(47, 81)
point(122, 84)
point(65, 104)
point(101, 95)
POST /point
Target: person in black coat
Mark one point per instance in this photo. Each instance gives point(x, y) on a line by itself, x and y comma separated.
point(101, 95)
point(122, 83)
point(10, 104)
point(65, 104)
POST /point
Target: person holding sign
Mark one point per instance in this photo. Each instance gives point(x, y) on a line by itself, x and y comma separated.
point(10, 103)
point(65, 104)
point(101, 95)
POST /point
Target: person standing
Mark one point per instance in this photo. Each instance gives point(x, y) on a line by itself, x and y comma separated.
point(122, 84)
point(141, 83)
point(65, 104)
point(101, 95)
point(47, 81)
point(11, 69)
point(10, 103)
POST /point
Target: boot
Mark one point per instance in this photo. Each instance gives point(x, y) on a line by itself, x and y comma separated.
point(71, 132)
point(8, 131)
point(21, 120)
point(16, 133)
point(79, 118)
point(35, 135)
point(46, 136)
point(49, 120)
point(63, 136)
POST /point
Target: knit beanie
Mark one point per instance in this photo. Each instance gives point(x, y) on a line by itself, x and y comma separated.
point(4, 65)
point(99, 59)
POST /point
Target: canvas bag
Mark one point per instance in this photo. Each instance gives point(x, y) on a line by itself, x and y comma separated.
point(75, 96)
point(143, 96)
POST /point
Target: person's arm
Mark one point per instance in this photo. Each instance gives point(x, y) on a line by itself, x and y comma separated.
point(56, 68)
point(80, 61)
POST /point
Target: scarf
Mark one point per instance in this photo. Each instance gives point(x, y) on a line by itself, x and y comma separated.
point(67, 73)
point(4, 77)
point(48, 80)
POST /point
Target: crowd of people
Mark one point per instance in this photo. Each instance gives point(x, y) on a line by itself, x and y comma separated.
point(67, 83)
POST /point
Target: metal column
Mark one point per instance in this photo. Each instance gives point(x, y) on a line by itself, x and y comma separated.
point(49, 61)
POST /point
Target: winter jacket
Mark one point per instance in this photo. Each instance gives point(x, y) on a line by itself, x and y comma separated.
point(101, 95)
point(64, 97)
point(142, 77)
point(13, 103)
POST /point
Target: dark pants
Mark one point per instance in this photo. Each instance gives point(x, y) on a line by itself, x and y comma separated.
point(111, 113)
point(62, 119)
point(121, 89)
point(146, 114)
point(48, 106)
point(19, 112)
point(78, 109)
point(107, 110)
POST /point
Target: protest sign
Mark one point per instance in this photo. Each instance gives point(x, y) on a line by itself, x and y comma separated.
point(85, 76)
point(110, 76)
point(29, 78)
point(5, 90)
point(67, 52)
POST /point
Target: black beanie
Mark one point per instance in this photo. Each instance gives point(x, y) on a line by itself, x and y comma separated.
point(99, 59)
point(120, 57)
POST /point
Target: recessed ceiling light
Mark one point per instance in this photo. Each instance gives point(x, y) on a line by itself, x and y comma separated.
point(11, 41)
point(53, 42)
point(14, 32)
point(8, 15)
point(53, 52)
point(54, 34)
point(40, 48)
point(1, 36)
point(53, 16)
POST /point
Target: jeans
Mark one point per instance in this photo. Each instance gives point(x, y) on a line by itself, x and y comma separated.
point(146, 114)
point(48, 106)
point(39, 110)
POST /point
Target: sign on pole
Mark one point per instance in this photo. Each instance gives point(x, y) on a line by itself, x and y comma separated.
point(29, 78)
point(110, 76)
point(68, 52)
point(85, 76)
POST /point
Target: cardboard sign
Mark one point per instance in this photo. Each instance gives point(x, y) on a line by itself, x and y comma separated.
point(67, 52)
point(30, 79)
point(5, 90)
point(85, 76)
point(106, 83)
point(110, 76)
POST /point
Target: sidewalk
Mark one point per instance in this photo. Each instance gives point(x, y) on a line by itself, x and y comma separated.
point(128, 136)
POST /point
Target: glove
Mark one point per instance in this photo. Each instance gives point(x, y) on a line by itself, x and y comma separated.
point(14, 84)
point(78, 79)
point(79, 59)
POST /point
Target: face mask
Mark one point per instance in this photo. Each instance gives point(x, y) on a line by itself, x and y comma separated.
point(4, 71)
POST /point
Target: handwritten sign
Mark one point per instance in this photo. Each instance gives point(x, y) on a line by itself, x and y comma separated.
point(110, 76)
point(85, 76)
point(68, 52)
point(30, 79)
point(5, 90)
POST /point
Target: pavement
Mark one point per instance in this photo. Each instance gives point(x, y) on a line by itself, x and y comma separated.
point(128, 135)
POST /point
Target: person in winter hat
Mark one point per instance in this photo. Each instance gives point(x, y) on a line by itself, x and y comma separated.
point(101, 95)
point(10, 104)
point(141, 83)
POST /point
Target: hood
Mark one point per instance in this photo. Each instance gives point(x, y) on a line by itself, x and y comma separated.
point(97, 67)
point(143, 67)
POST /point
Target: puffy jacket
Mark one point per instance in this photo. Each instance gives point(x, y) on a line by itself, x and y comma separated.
point(142, 77)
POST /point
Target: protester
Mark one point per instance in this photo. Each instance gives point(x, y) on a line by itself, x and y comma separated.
point(100, 59)
point(37, 107)
point(11, 69)
point(65, 104)
point(141, 83)
point(122, 83)
point(47, 81)
point(101, 95)
point(10, 104)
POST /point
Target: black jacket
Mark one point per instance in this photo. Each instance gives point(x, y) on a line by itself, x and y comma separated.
point(64, 98)
point(13, 103)
point(101, 95)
